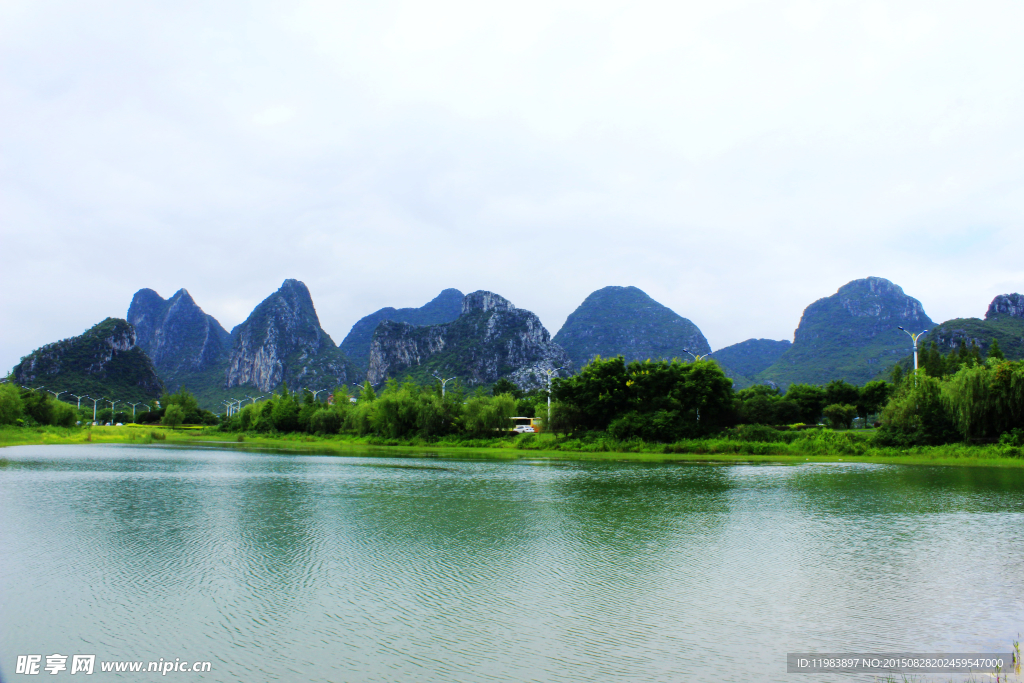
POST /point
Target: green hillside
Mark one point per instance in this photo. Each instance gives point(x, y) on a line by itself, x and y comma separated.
point(102, 362)
point(852, 335)
point(625, 321)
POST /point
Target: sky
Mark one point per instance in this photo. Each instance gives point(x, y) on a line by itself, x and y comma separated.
point(736, 160)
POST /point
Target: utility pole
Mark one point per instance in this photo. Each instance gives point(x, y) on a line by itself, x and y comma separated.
point(914, 338)
point(550, 374)
point(442, 381)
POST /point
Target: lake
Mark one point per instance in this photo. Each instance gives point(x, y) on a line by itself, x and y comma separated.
point(321, 568)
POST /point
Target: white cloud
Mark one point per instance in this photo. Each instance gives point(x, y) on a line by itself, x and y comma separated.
point(737, 160)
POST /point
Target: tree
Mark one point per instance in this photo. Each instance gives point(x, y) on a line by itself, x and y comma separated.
point(11, 406)
point(841, 392)
point(873, 396)
point(809, 399)
point(174, 416)
point(840, 415)
point(994, 351)
point(506, 386)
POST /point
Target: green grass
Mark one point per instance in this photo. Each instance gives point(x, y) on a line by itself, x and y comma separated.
point(823, 447)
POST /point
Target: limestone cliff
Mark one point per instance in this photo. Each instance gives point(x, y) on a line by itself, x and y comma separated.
point(444, 308)
point(1004, 322)
point(104, 361)
point(282, 341)
point(491, 339)
point(184, 342)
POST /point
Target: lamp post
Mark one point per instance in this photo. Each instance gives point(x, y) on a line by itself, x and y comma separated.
point(227, 407)
point(56, 394)
point(137, 403)
point(550, 374)
point(80, 399)
point(316, 393)
point(697, 356)
point(113, 413)
point(94, 402)
point(442, 381)
point(914, 338)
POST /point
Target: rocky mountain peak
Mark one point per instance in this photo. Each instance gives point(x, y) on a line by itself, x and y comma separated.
point(851, 335)
point(177, 335)
point(879, 298)
point(504, 341)
point(444, 308)
point(485, 301)
point(1006, 304)
point(282, 341)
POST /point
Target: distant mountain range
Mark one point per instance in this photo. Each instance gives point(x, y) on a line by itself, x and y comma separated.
point(444, 308)
point(490, 339)
point(852, 335)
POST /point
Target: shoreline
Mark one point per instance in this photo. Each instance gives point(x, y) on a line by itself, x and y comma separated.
point(954, 455)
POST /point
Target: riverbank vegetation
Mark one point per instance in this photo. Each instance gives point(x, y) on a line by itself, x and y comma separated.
point(660, 408)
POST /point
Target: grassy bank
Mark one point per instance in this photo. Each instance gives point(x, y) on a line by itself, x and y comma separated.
point(818, 446)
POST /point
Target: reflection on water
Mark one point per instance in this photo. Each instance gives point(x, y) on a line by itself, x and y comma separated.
point(323, 568)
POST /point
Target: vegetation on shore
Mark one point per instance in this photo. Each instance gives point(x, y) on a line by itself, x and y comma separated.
point(813, 447)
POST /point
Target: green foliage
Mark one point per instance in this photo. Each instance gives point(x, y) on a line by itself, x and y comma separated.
point(693, 398)
point(190, 411)
point(916, 414)
point(809, 399)
point(174, 416)
point(840, 415)
point(506, 386)
point(873, 396)
point(11, 406)
point(485, 416)
point(994, 351)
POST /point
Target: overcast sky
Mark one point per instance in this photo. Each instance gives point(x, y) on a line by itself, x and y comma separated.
point(735, 160)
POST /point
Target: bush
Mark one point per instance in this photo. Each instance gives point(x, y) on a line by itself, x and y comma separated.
point(662, 426)
point(11, 405)
point(761, 433)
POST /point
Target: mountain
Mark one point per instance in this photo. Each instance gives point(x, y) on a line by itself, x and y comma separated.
point(102, 362)
point(851, 335)
point(624, 320)
point(489, 340)
point(1004, 322)
point(282, 341)
point(187, 346)
point(444, 308)
point(743, 361)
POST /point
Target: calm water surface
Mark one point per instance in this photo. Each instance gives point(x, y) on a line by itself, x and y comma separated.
point(319, 568)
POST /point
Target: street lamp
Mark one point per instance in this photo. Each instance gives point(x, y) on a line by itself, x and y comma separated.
point(550, 373)
point(80, 399)
point(316, 393)
point(94, 402)
point(56, 394)
point(698, 356)
point(137, 403)
point(915, 337)
point(442, 381)
point(113, 413)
